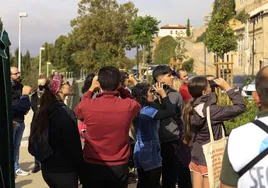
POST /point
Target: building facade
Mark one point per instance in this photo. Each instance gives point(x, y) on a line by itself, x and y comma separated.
point(172, 30)
point(252, 53)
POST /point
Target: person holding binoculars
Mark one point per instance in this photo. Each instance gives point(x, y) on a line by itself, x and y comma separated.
point(147, 155)
point(196, 126)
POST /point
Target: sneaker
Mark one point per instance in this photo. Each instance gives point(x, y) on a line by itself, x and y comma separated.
point(37, 168)
point(20, 172)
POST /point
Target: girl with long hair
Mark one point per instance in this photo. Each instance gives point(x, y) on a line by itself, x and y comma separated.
point(54, 138)
point(147, 155)
point(196, 127)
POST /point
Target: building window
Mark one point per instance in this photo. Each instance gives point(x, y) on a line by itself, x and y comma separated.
point(171, 32)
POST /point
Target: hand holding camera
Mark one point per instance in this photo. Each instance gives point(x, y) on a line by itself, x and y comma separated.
point(218, 82)
point(159, 88)
point(222, 84)
point(95, 84)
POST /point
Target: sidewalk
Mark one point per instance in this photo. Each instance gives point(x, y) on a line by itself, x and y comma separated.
point(27, 162)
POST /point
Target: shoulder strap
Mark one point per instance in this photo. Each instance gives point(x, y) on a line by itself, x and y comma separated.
point(258, 157)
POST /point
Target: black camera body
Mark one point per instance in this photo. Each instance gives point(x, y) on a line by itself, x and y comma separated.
point(213, 84)
point(163, 84)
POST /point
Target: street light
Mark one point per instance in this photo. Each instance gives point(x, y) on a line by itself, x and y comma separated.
point(40, 58)
point(22, 14)
point(48, 63)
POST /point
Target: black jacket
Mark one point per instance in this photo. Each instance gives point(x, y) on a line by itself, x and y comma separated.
point(20, 104)
point(170, 128)
point(64, 140)
point(16, 91)
point(35, 101)
point(20, 108)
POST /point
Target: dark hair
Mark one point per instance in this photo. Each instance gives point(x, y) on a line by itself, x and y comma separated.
point(139, 92)
point(160, 71)
point(178, 72)
point(123, 77)
point(40, 123)
point(109, 78)
point(262, 85)
point(42, 76)
point(196, 86)
point(88, 82)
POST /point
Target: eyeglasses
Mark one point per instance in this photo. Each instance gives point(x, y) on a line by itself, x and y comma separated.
point(15, 73)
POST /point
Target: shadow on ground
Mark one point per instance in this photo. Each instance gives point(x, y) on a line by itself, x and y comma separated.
point(23, 183)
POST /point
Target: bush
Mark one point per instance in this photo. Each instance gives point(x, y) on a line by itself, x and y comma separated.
point(189, 65)
point(242, 16)
point(201, 38)
point(248, 116)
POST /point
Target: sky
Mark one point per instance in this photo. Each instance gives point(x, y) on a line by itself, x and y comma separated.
point(48, 19)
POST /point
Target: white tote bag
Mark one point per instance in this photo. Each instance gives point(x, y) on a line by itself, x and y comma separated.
point(213, 152)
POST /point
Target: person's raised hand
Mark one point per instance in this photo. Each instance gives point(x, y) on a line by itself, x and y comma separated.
point(158, 87)
point(95, 84)
point(132, 80)
point(222, 84)
point(26, 90)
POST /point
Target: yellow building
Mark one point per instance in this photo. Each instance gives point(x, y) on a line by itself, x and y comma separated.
point(252, 53)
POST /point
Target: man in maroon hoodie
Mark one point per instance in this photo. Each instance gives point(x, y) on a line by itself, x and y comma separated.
point(107, 118)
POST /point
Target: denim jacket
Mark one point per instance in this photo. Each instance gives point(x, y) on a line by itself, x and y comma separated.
point(147, 148)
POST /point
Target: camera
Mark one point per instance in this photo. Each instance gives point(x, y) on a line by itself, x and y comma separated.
point(162, 84)
point(212, 84)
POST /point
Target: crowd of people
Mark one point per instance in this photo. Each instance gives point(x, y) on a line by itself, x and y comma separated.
point(157, 128)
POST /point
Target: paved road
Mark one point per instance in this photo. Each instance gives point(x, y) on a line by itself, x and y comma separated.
point(27, 162)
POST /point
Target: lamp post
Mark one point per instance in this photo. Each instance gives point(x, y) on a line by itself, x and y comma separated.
point(40, 59)
point(48, 63)
point(22, 14)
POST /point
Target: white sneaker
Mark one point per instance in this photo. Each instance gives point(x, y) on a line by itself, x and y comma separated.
point(20, 172)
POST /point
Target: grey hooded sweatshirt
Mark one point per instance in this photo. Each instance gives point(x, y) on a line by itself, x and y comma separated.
point(218, 114)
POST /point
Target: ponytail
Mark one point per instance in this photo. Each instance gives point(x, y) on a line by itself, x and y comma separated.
point(187, 113)
point(40, 123)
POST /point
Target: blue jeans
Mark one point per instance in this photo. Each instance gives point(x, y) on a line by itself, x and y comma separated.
point(17, 137)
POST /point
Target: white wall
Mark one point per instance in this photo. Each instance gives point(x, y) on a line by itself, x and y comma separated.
point(175, 32)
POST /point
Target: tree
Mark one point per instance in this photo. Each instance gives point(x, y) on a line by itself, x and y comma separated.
point(228, 4)
point(201, 38)
point(180, 49)
point(26, 63)
point(220, 38)
point(142, 31)
point(165, 50)
point(188, 30)
point(14, 59)
point(216, 5)
point(189, 65)
point(100, 32)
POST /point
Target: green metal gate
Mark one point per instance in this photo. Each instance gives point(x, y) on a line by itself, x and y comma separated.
point(6, 128)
